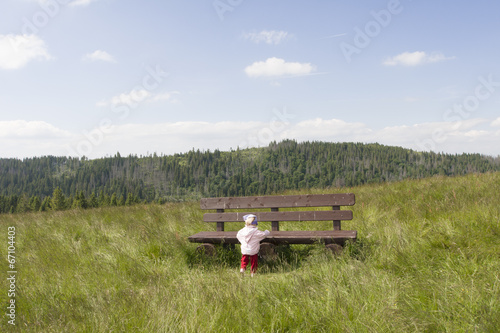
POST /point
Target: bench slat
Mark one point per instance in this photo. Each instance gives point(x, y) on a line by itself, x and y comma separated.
point(279, 237)
point(281, 201)
point(320, 215)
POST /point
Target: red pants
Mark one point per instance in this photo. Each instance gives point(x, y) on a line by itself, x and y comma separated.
point(253, 261)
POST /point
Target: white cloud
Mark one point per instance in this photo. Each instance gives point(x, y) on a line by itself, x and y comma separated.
point(496, 122)
point(415, 59)
point(175, 137)
point(30, 129)
point(476, 134)
point(334, 36)
point(18, 50)
point(73, 3)
point(99, 55)
point(136, 96)
point(275, 67)
point(450, 137)
point(328, 129)
point(132, 98)
point(167, 96)
point(22, 138)
point(81, 2)
point(268, 36)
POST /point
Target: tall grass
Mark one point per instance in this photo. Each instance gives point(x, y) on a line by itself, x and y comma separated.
point(427, 259)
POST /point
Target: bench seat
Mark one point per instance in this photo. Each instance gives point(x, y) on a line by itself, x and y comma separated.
point(279, 237)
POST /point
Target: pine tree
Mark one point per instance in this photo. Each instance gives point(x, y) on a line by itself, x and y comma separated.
point(58, 201)
point(45, 206)
point(130, 200)
point(92, 202)
point(113, 202)
point(80, 201)
point(23, 204)
point(35, 203)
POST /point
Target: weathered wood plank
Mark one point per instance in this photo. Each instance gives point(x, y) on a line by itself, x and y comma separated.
point(310, 237)
point(220, 225)
point(279, 237)
point(275, 225)
point(320, 215)
point(336, 223)
point(281, 201)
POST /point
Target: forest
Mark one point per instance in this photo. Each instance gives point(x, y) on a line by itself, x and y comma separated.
point(57, 183)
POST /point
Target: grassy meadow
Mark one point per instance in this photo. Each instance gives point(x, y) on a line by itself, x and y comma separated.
point(427, 259)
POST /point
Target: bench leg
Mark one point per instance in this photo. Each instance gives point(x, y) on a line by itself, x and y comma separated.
point(207, 249)
point(228, 246)
point(268, 251)
point(335, 248)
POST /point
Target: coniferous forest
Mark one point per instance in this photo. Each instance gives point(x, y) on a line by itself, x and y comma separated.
point(57, 183)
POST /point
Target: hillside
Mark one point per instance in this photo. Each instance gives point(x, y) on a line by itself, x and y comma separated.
point(427, 260)
point(288, 165)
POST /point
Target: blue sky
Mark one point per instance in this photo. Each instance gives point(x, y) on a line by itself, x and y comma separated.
point(94, 77)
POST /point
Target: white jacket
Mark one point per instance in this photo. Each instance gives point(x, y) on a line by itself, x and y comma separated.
point(250, 238)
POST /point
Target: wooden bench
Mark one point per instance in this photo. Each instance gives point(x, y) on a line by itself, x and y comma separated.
point(332, 238)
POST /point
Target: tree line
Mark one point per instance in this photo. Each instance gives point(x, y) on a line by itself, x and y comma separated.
point(58, 201)
point(38, 183)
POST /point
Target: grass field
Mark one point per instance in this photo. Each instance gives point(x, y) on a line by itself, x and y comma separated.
point(427, 260)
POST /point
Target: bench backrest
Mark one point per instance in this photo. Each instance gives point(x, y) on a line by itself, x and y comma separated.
point(275, 202)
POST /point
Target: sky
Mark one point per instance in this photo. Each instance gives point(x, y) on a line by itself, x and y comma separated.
point(96, 77)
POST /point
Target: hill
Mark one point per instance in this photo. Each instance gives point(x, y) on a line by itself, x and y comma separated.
point(27, 185)
point(426, 260)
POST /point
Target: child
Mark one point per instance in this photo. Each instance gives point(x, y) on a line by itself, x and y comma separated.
point(250, 238)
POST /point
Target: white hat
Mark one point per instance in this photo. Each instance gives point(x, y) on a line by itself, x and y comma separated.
point(250, 219)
